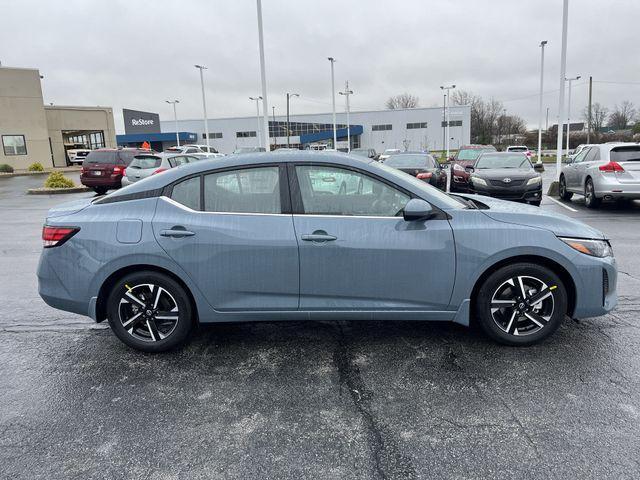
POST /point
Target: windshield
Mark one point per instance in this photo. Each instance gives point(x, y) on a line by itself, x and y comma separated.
point(626, 154)
point(145, 162)
point(502, 160)
point(472, 153)
point(450, 202)
point(411, 161)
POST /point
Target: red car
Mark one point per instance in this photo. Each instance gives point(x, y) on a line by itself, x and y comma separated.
point(103, 169)
point(465, 157)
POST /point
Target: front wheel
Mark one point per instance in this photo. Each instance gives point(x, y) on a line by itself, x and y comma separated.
point(535, 203)
point(100, 190)
point(590, 199)
point(521, 304)
point(149, 311)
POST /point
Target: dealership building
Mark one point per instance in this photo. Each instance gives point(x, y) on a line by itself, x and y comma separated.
point(405, 129)
point(33, 132)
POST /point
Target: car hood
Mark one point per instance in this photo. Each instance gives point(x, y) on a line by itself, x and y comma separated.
point(500, 173)
point(522, 214)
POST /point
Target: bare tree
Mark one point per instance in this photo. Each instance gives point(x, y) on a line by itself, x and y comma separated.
point(485, 115)
point(622, 116)
point(599, 114)
point(404, 100)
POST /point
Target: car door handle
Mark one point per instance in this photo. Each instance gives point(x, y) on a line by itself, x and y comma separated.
point(177, 232)
point(318, 236)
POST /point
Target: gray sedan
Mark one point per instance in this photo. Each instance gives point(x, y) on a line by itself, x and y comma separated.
point(143, 166)
point(602, 172)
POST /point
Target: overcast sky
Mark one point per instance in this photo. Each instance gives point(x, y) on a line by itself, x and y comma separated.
point(136, 54)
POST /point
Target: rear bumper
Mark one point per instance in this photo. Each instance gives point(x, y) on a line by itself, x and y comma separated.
point(110, 181)
point(610, 185)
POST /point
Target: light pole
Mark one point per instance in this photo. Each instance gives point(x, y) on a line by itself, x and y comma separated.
point(289, 95)
point(275, 135)
point(204, 103)
point(263, 78)
point(257, 100)
point(175, 118)
point(444, 122)
point(346, 94)
point(333, 102)
point(569, 80)
point(448, 89)
point(563, 73)
point(542, 45)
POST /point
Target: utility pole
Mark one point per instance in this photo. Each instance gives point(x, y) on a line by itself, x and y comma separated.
point(275, 134)
point(333, 102)
point(346, 94)
point(570, 80)
point(204, 103)
point(175, 118)
point(589, 114)
point(289, 95)
point(257, 100)
point(444, 122)
point(448, 90)
point(542, 45)
point(263, 78)
point(563, 73)
point(546, 125)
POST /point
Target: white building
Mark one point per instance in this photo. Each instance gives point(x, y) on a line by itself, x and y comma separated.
point(406, 129)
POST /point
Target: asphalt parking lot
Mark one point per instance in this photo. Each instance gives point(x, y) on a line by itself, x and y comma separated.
point(345, 400)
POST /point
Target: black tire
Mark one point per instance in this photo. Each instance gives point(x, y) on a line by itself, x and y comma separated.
point(590, 199)
point(535, 203)
point(100, 190)
point(517, 329)
point(564, 194)
point(169, 333)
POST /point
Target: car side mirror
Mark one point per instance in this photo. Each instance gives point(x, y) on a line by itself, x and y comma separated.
point(538, 167)
point(417, 209)
point(567, 160)
point(469, 169)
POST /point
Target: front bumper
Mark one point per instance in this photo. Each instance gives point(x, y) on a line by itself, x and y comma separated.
point(531, 194)
point(597, 294)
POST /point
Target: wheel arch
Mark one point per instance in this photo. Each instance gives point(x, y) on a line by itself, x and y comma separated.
point(105, 288)
point(554, 266)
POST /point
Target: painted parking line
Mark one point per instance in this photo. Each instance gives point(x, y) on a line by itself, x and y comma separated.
point(561, 204)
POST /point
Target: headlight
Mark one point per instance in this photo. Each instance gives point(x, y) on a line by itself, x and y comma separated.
point(534, 181)
point(478, 181)
point(594, 248)
point(458, 168)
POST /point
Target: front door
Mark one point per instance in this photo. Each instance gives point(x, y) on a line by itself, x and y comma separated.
point(232, 239)
point(356, 250)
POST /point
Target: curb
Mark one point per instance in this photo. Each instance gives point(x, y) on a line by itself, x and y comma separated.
point(55, 191)
point(28, 174)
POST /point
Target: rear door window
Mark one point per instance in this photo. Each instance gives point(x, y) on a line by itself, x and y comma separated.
point(187, 193)
point(248, 190)
point(593, 155)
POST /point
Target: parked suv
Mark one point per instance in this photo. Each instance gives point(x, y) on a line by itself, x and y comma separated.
point(602, 172)
point(103, 169)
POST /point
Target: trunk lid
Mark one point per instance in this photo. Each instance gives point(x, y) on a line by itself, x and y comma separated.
point(69, 208)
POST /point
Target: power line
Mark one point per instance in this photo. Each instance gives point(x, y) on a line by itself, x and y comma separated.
point(616, 83)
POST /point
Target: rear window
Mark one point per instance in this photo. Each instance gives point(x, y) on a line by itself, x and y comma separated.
point(145, 162)
point(469, 154)
point(626, 154)
point(411, 161)
point(101, 157)
point(126, 156)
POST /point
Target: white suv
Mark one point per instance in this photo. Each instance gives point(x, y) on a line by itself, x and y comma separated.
point(203, 150)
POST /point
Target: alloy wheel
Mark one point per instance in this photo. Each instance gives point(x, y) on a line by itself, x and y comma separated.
point(588, 193)
point(522, 305)
point(148, 312)
point(563, 187)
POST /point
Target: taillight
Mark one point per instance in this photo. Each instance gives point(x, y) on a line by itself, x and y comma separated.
point(124, 172)
point(611, 167)
point(81, 170)
point(423, 176)
point(56, 236)
point(117, 170)
point(160, 170)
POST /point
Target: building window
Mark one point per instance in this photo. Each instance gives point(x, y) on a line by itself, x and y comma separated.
point(245, 134)
point(14, 145)
point(378, 128)
point(453, 123)
point(96, 140)
point(411, 126)
point(214, 135)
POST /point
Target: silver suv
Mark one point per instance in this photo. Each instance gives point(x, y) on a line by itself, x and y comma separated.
point(602, 172)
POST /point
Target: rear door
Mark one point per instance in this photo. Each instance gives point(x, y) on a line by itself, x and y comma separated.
point(591, 159)
point(570, 170)
point(356, 250)
point(232, 232)
point(628, 157)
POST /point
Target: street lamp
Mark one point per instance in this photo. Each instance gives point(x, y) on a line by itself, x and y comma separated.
point(563, 73)
point(263, 78)
point(257, 100)
point(542, 45)
point(204, 104)
point(333, 102)
point(346, 94)
point(450, 87)
point(569, 80)
point(289, 95)
point(273, 111)
point(175, 118)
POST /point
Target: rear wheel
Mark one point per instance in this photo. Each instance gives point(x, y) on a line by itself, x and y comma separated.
point(590, 199)
point(100, 190)
point(149, 311)
point(521, 304)
point(564, 194)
